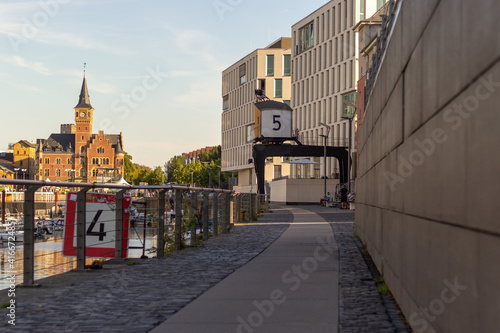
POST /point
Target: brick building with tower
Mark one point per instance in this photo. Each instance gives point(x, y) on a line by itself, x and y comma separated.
point(76, 154)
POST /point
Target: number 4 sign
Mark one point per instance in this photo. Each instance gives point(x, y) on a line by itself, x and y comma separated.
point(99, 225)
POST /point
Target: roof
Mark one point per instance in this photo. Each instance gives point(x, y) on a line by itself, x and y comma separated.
point(66, 143)
point(273, 105)
point(84, 101)
point(115, 140)
point(59, 143)
point(9, 157)
point(27, 143)
point(6, 166)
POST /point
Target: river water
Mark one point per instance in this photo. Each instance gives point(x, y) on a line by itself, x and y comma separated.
point(50, 261)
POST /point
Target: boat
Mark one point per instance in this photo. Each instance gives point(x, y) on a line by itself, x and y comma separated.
point(58, 224)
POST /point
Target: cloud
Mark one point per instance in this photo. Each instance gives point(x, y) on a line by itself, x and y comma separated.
point(197, 43)
point(21, 62)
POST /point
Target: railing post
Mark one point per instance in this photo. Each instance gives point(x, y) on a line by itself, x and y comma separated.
point(194, 209)
point(205, 216)
point(81, 210)
point(238, 207)
point(119, 225)
point(252, 206)
point(29, 237)
point(229, 210)
point(178, 219)
point(224, 213)
point(3, 206)
point(160, 238)
point(215, 214)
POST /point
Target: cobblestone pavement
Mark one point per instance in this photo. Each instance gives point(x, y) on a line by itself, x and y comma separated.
point(361, 307)
point(136, 298)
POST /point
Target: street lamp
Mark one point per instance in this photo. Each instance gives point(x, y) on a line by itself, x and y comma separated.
point(324, 150)
point(349, 116)
point(72, 174)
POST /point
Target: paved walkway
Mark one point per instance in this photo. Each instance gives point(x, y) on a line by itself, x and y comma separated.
point(267, 276)
point(290, 287)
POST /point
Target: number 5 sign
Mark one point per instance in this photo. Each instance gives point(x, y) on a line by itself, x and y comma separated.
point(273, 120)
point(99, 225)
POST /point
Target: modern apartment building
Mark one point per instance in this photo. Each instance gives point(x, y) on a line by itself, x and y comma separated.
point(324, 71)
point(267, 69)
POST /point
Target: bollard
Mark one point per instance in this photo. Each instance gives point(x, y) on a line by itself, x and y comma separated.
point(205, 216)
point(178, 219)
point(194, 210)
point(160, 237)
point(29, 237)
point(81, 210)
point(215, 214)
point(119, 225)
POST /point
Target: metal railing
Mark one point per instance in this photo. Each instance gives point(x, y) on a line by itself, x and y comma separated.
point(388, 20)
point(175, 215)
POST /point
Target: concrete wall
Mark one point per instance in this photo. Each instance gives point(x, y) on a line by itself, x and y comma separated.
point(429, 166)
point(301, 191)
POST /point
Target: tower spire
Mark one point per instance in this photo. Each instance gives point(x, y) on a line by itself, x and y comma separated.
point(84, 100)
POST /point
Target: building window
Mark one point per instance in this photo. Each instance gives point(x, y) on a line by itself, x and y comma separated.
point(70, 161)
point(250, 133)
point(82, 149)
point(270, 65)
point(286, 65)
point(94, 173)
point(58, 172)
point(306, 37)
point(380, 3)
point(225, 102)
point(278, 88)
point(58, 160)
point(262, 86)
point(277, 171)
point(82, 172)
point(82, 161)
point(243, 73)
point(47, 160)
point(46, 172)
point(287, 102)
point(83, 138)
point(100, 150)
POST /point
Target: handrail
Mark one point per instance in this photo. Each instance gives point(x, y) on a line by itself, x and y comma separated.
point(43, 183)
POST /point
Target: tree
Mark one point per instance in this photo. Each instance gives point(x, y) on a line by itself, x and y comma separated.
point(205, 172)
point(170, 167)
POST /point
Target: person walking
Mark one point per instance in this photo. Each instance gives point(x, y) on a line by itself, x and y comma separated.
point(343, 197)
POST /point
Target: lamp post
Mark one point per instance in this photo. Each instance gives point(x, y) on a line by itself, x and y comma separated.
point(72, 174)
point(324, 150)
point(349, 116)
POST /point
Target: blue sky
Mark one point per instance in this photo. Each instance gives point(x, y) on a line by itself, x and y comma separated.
point(153, 66)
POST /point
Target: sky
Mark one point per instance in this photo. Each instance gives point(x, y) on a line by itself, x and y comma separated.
point(153, 67)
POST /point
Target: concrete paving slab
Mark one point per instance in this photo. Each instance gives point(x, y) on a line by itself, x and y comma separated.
point(290, 287)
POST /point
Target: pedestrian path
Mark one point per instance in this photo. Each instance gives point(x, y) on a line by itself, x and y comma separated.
point(290, 287)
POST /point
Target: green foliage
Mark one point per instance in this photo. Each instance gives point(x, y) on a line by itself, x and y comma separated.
point(205, 172)
point(136, 173)
point(384, 289)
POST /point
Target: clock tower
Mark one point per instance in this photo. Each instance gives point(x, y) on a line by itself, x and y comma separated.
point(83, 120)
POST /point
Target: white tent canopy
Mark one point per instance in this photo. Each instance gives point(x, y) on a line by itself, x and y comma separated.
point(122, 181)
point(302, 161)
